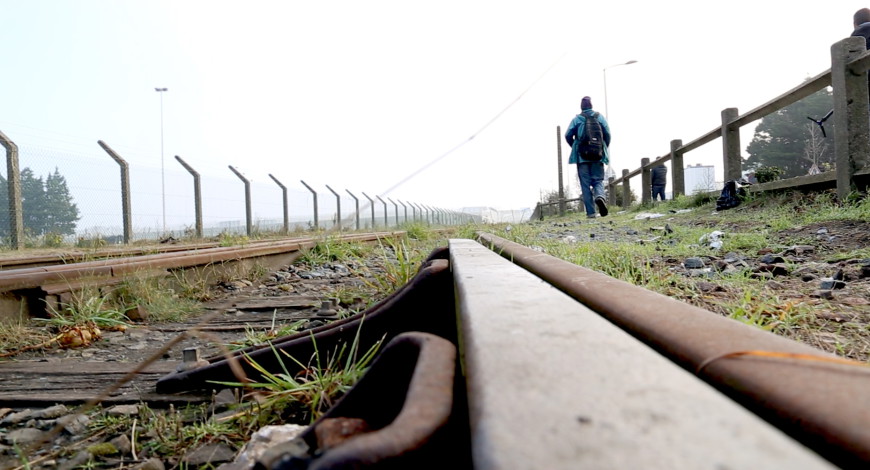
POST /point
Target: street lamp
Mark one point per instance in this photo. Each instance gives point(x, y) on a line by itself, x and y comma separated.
point(610, 171)
point(604, 72)
point(162, 170)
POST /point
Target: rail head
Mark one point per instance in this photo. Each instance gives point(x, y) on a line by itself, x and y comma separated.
point(538, 363)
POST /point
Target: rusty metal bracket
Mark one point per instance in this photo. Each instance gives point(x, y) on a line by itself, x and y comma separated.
point(401, 414)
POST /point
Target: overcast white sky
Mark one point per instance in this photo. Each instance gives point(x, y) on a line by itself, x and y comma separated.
point(361, 94)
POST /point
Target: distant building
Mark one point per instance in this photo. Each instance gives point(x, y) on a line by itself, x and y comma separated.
point(700, 178)
point(489, 215)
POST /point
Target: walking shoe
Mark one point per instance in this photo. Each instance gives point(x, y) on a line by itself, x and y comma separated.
point(591, 216)
point(602, 206)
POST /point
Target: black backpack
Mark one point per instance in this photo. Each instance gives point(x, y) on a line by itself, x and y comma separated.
point(592, 141)
point(731, 196)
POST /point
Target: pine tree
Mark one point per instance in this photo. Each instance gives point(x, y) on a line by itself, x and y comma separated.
point(781, 138)
point(61, 213)
point(33, 205)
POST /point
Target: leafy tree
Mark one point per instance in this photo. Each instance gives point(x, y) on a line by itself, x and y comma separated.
point(783, 139)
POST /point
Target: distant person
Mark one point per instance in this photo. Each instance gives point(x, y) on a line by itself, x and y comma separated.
point(861, 23)
point(659, 180)
point(589, 151)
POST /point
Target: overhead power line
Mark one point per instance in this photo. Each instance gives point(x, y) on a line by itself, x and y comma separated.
point(489, 123)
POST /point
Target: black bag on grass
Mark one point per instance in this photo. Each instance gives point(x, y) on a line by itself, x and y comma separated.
point(731, 196)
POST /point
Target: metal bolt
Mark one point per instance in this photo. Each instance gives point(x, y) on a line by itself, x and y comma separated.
point(326, 309)
point(190, 360)
point(190, 355)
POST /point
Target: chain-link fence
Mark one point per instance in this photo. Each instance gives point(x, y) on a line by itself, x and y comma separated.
point(69, 197)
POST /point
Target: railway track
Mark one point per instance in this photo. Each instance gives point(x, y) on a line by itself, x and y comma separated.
point(526, 361)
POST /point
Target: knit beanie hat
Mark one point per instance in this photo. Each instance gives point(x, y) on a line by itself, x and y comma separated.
point(586, 103)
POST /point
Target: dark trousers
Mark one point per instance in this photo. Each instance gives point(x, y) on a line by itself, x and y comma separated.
point(658, 190)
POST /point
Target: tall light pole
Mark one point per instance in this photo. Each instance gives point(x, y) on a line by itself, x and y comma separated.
point(162, 168)
point(610, 171)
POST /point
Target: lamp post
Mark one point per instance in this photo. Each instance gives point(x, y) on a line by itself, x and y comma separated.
point(610, 171)
point(162, 170)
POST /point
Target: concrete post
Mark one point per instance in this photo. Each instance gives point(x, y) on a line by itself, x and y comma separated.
point(313, 193)
point(249, 213)
point(396, 206)
point(405, 220)
point(678, 173)
point(356, 201)
point(126, 210)
point(386, 217)
point(337, 207)
point(733, 164)
point(559, 162)
point(197, 197)
point(286, 204)
point(851, 114)
point(372, 205)
point(13, 185)
point(611, 194)
point(645, 182)
point(626, 190)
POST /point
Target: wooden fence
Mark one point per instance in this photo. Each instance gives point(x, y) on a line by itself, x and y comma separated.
point(847, 76)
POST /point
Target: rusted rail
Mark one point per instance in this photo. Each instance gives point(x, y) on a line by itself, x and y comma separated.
point(534, 362)
point(809, 394)
point(45, 285)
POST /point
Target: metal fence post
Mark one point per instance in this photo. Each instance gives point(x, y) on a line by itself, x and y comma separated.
point(13, 185)
point(733, 165)
point(249, 226)
point(386, 218)
point(851, 127)
point(337, 207)
point(678, 174)
point(314, 193)
point(626, 190)
point(645, 181)
point(413, 212)
point(372, 205)
point(559, 158)
point(405, 219)
point(197, 196)
point(396, 206)
point(356, 201)
point(286, 204)
point(126, 210)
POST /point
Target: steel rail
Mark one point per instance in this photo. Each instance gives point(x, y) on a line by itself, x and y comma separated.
point(799, 389)
point(24, 278)
point(420, 305)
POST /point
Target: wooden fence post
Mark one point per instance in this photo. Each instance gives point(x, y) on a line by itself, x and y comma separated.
point(559, 158)
point(626, 190)
point(733, 166)
point(645, 182)
point(611, 194)
point(678, 175)
point(851, 113)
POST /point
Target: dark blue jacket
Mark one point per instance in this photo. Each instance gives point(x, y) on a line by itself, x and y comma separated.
point(659, 175)
point(576, 129)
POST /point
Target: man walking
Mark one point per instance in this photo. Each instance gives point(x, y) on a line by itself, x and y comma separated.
point(659, 180)
point(590, 154)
